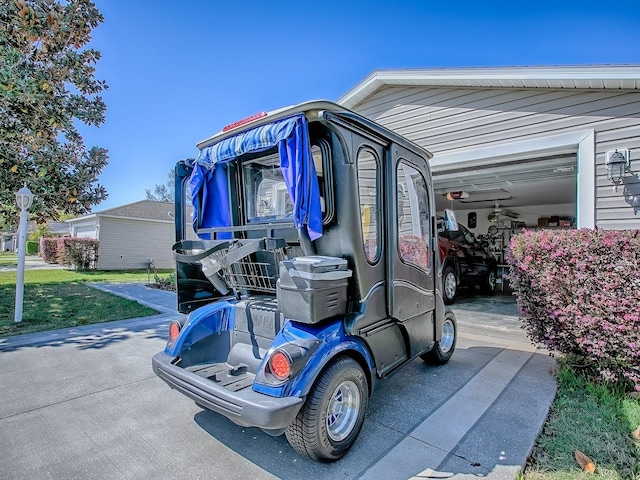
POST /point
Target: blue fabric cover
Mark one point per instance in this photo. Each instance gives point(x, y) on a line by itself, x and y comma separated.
point(209, 187)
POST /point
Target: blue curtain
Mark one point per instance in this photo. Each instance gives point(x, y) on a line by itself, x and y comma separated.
point(209, 187)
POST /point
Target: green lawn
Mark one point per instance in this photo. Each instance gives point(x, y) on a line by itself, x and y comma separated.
point(8, 259)
point(597, 420)
point(60, 298)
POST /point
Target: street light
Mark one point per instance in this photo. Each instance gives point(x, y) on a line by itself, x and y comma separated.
point(24, 199)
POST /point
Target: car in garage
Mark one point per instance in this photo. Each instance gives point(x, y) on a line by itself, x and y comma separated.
point(465, 262)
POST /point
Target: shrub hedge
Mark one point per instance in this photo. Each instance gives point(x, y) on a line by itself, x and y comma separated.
point(578, 293)
point(79, 253)
point(48, 249)
point(32, 247)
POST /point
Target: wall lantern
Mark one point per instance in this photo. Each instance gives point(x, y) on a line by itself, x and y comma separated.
point(617, 163)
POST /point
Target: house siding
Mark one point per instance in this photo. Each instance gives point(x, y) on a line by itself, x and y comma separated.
point(449, 119)
point(129, 244)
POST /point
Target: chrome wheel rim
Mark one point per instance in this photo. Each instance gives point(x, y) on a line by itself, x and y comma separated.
point(342, 411)
point(492, 280)
point(450, 285)
point(448, 336)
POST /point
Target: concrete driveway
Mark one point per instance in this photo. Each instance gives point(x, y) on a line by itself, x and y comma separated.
point(85, 404)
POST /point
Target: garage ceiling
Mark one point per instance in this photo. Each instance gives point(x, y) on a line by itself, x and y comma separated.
point(517, 183)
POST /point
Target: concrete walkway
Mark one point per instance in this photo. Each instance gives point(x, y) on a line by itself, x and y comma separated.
point(477, 416)
point(32, 262)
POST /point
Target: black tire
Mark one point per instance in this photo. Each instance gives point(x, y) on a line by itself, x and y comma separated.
point(449, 285)
point(488, 286)
point(444, 348)
point(331, 418)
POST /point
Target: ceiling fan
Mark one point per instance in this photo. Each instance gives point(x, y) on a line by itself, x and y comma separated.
point(498, 212)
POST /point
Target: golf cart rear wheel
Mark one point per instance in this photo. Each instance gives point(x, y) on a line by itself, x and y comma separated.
point(443, 349)
point(332, 416)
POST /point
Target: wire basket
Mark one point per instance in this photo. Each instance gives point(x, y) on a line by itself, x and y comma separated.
point(255, 272)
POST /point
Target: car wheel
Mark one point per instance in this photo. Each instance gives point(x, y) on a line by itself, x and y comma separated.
point(331, 418)
point(449, 285)
point(488, 286)
point(444, 348)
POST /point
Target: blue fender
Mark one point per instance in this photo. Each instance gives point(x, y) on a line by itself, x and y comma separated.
point(331, 340)
point(207, 320)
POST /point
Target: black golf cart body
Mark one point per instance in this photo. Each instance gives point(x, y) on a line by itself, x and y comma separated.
point(315, 275)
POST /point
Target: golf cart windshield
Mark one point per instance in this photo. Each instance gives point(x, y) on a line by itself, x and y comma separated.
point(281, 185)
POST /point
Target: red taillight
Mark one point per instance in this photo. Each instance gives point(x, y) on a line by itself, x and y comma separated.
point(280, 365)
point(174, 331)
point(244, 121)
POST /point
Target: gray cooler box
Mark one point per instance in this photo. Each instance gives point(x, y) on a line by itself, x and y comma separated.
point(312, 289)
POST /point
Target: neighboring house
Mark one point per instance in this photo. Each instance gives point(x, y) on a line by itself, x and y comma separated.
point(8, 242)
point(527, 141)
point(131, 235)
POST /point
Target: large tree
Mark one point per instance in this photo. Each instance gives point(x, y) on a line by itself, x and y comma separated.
point(47, 88)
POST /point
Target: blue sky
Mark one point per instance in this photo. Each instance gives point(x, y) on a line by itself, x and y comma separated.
point(179, 71)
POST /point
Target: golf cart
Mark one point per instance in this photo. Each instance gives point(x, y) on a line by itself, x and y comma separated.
point(313, 277)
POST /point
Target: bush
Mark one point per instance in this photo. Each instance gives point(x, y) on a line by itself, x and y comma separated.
point(578, 292)
point(79, 253)
point(48, 249)
point(32, 247)
point(165, 283)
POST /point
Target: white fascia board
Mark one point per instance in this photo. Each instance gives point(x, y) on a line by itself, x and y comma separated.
point(508, 151)
point(574, 77)
point(82, 219)
point(154, 220)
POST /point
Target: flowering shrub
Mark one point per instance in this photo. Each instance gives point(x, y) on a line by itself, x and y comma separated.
point(578, 292)
point(48, 249)
point(79, 253)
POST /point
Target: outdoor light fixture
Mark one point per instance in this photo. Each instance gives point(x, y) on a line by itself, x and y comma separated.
point(456, 195)
point(24, 199)
point(617, 162)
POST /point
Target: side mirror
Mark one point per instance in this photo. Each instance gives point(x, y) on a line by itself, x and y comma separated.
point(450, 220)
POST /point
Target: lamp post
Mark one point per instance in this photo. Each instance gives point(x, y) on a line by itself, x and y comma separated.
point(24, 198)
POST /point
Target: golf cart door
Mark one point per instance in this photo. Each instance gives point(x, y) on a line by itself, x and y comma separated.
point(411, 267)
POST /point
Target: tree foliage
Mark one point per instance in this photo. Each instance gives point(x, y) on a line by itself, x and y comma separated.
point(47, 88)
point(164, 192)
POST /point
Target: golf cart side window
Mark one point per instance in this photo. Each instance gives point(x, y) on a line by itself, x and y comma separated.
point(413, 218)
point(265, 192)
point(318, 162)
point(368, 173)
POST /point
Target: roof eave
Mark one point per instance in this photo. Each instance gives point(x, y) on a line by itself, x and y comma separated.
point(625, 77)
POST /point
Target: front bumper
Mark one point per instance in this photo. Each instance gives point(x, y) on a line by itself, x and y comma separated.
point(245, 407)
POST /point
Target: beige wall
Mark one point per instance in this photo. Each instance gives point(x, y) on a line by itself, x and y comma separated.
point(129, 244)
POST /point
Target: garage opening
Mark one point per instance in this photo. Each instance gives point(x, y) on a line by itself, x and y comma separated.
point(498, 199)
